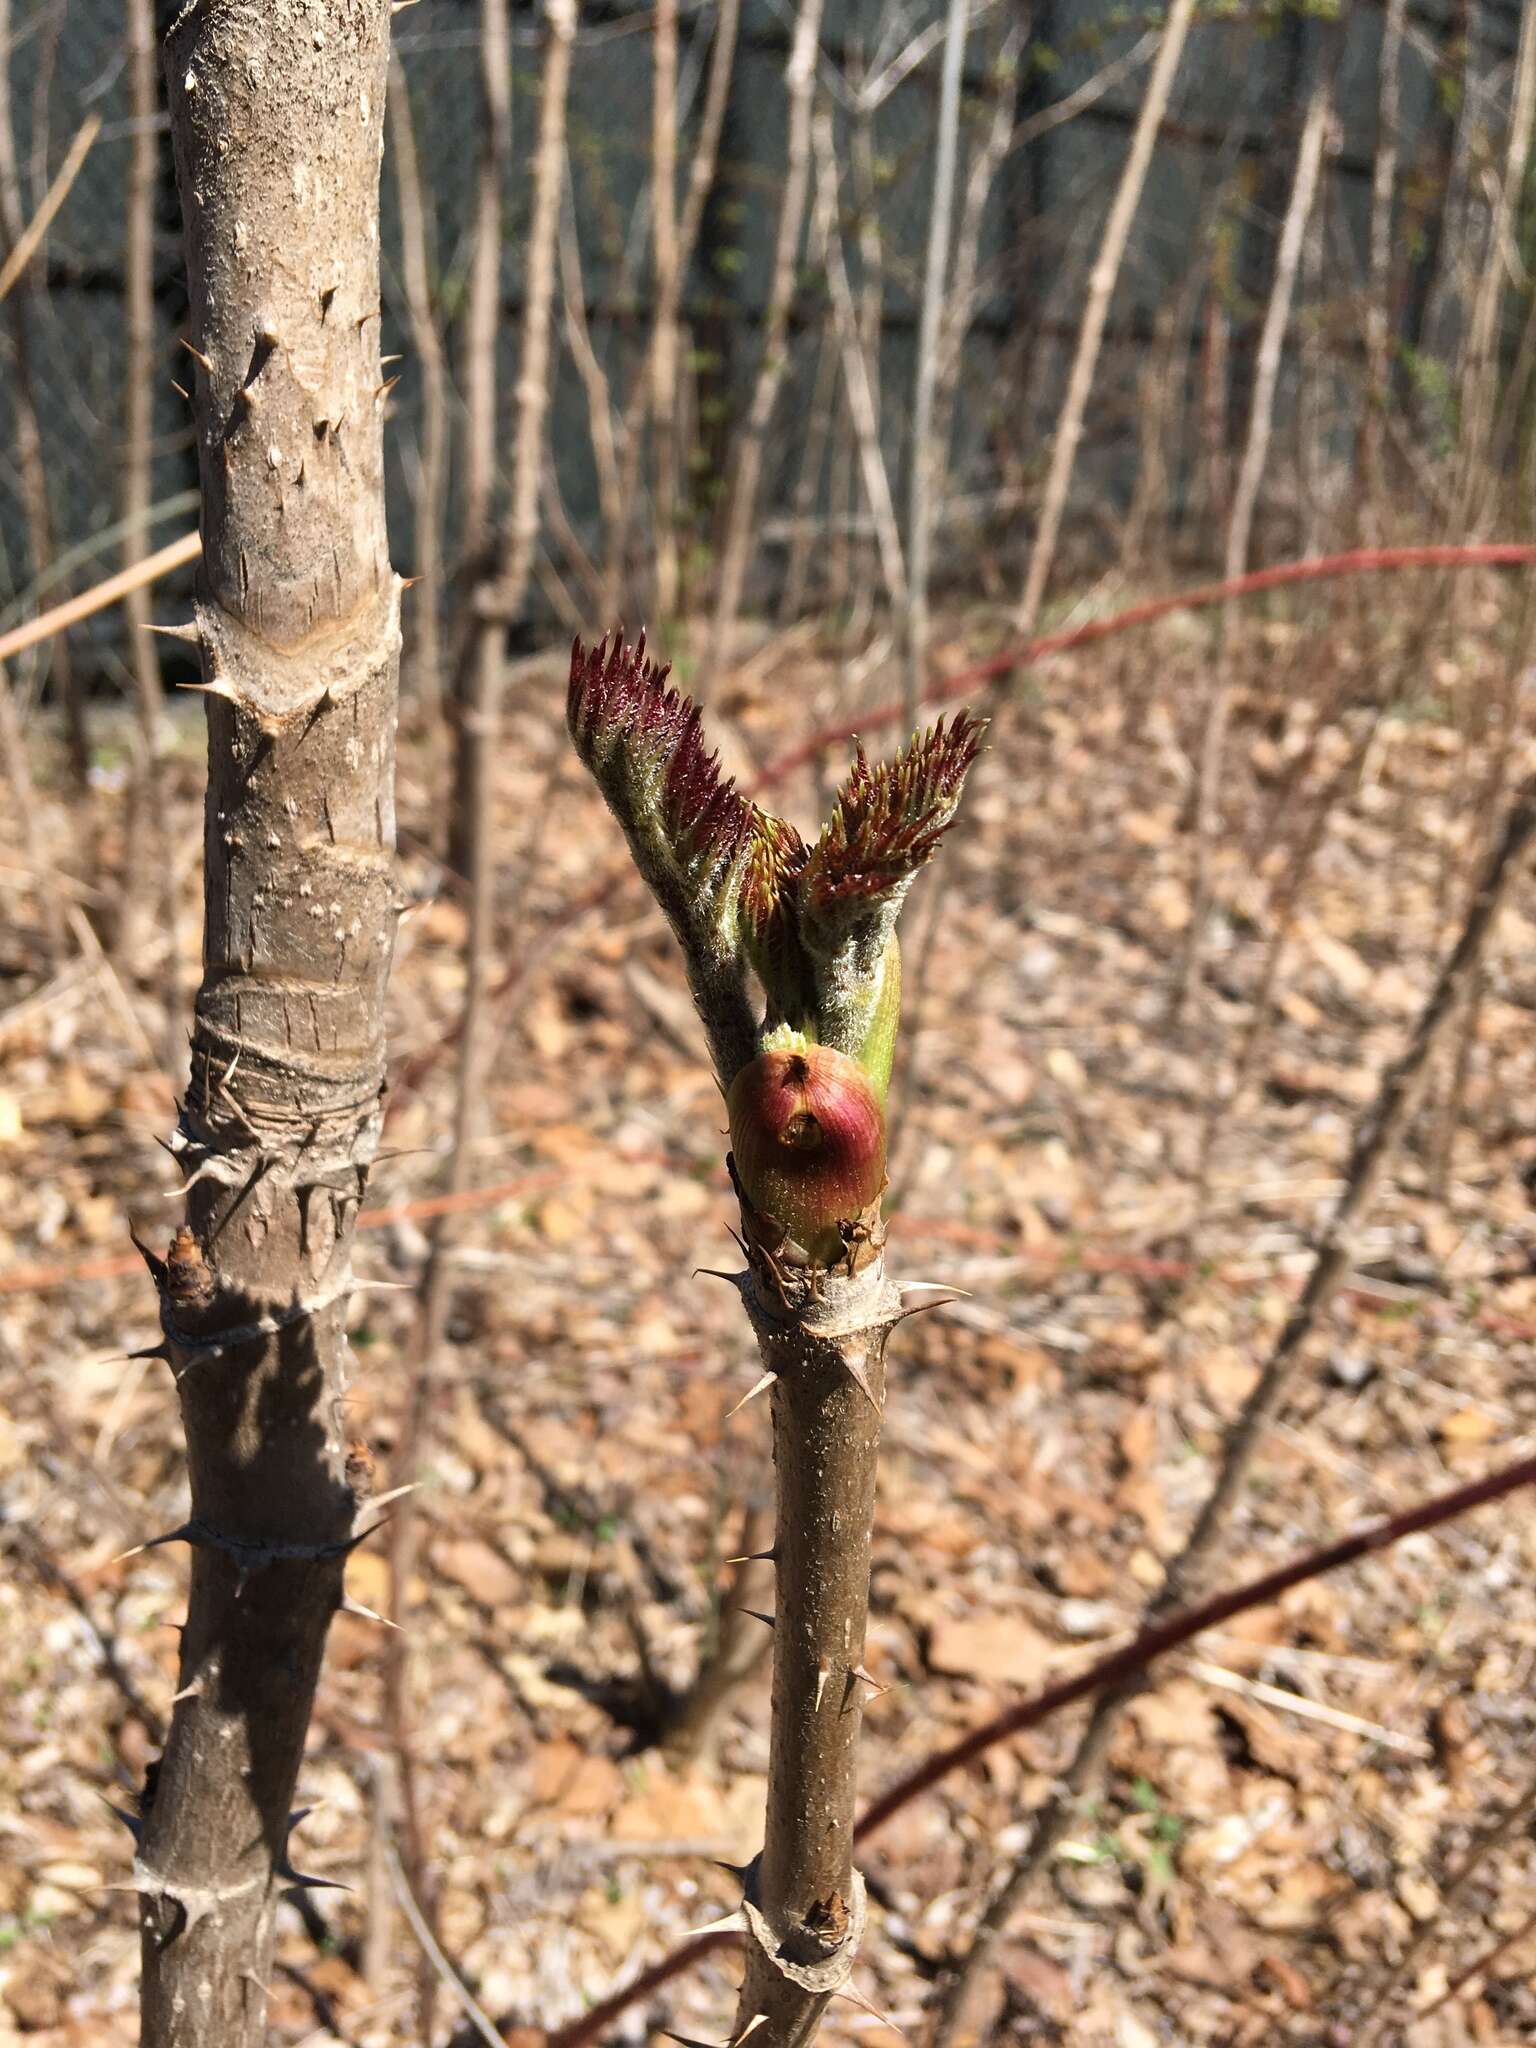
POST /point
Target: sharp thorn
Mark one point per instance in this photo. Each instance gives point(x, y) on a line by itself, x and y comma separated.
point(857, 1998)
point(351, 1606)
point(152, 1351)
point(189, 632)
point(382, 1500)
point(752, 1393)
point(301, 1881)
point(740, 1871)
point(181, 391)
point(860, 1673)
point(753, 1557)
point(159, 1272)
point(215, 689)
point(409, 582)
point(860, 1379)
point(191, 1691)
point(767, 1620)
point(713, 1273)
point(758, 2019)
point(129, 1820)
point(918, 1295)
point(385, 361)
point(823, 1673)
point(197, 355)
point(728, 1923)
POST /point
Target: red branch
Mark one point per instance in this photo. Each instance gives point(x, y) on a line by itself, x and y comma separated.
point(1358, 562)
point(1015, 1720)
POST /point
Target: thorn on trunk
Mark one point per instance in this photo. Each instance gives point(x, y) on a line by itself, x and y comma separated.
point(752, 1393)
point(766, 1619)
point(860, 1378)
point(158, 1271)
point(823, 1673)
point(866, 2005)
point(351, 1606)
point(189, 632)
point(187, 1533)
point(129, 1820)
point(758, 2019)
point(753, 1557)
point(728, 1923)
point(197, 356)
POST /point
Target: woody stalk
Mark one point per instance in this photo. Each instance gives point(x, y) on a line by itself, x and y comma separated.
point(804, 1073)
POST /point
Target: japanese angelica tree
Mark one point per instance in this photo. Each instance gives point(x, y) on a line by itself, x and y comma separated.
point(805, 1085)
point(277, 111)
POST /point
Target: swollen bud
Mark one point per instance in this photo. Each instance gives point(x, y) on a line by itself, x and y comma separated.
point(808, 1137)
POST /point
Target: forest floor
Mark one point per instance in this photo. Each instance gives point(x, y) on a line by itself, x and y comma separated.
point(1284, 1806)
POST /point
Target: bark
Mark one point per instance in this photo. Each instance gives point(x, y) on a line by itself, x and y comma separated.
point(858, 375)
point(20, 307)
point(805, 1902)
point(415, 279)
point(1480, 364)
point(926, 461)
point(1211, 762)
point(741, 500)
point(671, 279)
point(145, 869)
point(1101, 287)
point(277, 118)
point(533, 377)
point(1378, 313)
point(663, 363)
point(479, 654)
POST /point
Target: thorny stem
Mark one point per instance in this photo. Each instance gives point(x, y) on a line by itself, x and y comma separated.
point(804, 1903)
point(297, 617)
point(1375, 1141)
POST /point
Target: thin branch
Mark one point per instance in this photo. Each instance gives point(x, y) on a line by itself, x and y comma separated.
point(1135, 1657)
point(21, 253)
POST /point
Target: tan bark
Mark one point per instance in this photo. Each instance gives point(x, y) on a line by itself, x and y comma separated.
point(531, 397)
point(925, 460)
point(426, 613)
point(1101, 287)
point(277, 117)
point(144, 865)
point(746, 473)
point(1210, 765)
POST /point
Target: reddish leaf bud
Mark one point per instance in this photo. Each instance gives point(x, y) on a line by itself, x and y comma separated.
point(808, 1136)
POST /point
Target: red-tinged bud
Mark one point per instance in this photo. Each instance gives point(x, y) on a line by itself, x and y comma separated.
point(808, 1136)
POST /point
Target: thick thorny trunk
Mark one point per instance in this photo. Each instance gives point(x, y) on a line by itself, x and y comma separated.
point(277, 109)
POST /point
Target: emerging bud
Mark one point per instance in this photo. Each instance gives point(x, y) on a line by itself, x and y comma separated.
point(808, 1136)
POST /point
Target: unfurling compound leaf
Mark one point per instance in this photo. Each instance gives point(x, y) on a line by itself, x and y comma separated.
point(850, 886)
point(689, 828)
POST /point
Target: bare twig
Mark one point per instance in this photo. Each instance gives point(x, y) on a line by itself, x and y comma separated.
point(1151, 1645)
point(1211, 759)
point(22, 249)
point(175, 555)
point(1375, 1140)
point(1101, 286)
point(747, 462)
point(926, 459)
point(426, 609)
